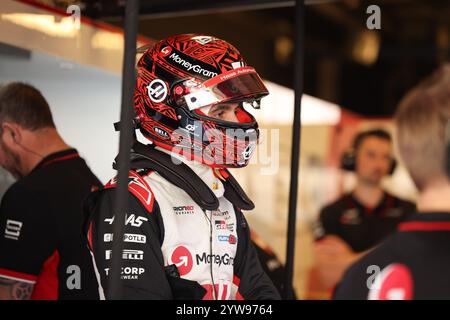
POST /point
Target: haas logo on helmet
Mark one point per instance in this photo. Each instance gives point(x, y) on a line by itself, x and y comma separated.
point(182, 258)
point(157, 90)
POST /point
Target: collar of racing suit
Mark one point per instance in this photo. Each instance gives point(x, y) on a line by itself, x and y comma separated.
point(198, 180)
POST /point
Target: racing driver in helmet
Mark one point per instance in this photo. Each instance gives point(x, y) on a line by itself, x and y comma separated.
point(185, 236)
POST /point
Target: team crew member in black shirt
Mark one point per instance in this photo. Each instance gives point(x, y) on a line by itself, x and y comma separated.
point(414, 263)
point(358, 221)
point(42, 254)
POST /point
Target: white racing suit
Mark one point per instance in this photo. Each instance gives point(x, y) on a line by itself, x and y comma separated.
point(185, 236)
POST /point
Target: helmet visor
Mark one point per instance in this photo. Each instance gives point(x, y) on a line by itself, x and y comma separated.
point(235, 85)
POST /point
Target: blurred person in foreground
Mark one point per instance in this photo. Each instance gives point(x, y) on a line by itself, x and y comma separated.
point(42, 252)
point(351, 226)
point(414, 262)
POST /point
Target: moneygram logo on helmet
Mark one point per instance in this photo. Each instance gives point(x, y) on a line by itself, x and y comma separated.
point(194, 67)
point(182, 82)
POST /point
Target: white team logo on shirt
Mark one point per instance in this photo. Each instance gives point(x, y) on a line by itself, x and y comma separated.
point(12, 230)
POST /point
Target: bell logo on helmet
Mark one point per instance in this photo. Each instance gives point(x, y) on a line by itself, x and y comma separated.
point(162, 133)
point(157, 90)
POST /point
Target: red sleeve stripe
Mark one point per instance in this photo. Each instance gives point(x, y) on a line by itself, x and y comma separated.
point(424, 226)
point(14, 275)
point(236, 282)
point(47, 285)
point(138, 187)
point(63, 158)
point(141, 190)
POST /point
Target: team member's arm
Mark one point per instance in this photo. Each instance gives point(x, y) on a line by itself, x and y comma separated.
point(26, 242)
point(252, 281)
point(142, 275)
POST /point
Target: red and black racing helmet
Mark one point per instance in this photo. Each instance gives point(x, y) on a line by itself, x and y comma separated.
point(179, 81)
